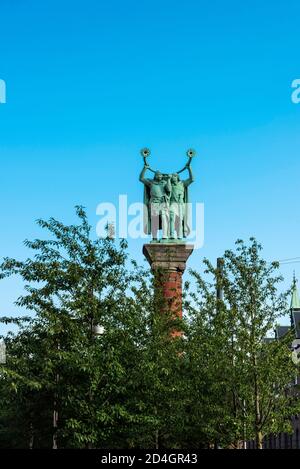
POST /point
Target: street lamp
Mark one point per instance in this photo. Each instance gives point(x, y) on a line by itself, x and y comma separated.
point(98, 330)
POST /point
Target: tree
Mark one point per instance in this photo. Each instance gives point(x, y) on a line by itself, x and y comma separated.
point(72, 284)
point(120, 389)
point(260, 372)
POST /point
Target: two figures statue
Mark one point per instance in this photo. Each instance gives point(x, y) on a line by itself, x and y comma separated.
point(166, 202)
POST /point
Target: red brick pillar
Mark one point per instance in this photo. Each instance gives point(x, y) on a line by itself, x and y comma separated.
point(172, 290)
point(168, 262)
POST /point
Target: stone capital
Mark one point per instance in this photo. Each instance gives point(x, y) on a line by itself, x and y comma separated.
point(167, 256)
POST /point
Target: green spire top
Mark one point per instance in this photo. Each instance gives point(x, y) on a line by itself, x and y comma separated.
point(295, 301)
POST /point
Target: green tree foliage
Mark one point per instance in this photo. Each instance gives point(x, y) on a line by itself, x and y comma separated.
point(136, 385)
point(73, 284)
point(248, 379)
point(72, 388)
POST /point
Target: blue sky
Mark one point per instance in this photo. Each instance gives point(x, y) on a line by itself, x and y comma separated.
point(90, 83)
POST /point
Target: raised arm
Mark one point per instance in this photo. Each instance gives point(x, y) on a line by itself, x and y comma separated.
point(189, 181)
point(142, 176)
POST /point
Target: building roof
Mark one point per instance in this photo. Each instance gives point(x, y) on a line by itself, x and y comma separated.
point(280, 331)
point(296, 322)
point(295, 301)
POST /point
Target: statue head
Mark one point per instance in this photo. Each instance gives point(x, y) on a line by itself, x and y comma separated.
point(175, 178)
point(158, 176)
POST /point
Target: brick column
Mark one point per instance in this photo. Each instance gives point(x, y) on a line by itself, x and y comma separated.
point(168, 262)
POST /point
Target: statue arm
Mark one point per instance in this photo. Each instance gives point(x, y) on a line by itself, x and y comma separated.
point(142, 177)
point(189, 181)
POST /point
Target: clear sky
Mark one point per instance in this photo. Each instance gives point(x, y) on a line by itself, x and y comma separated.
point(90, 83)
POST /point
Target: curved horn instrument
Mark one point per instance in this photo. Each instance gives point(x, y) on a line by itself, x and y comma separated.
point(190, 154)
point(145, 152)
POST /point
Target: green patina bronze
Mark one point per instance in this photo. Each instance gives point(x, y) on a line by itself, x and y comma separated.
point(295, 301)
point(166, 202)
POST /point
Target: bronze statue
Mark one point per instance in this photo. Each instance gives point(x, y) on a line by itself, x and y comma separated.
point(166, 201)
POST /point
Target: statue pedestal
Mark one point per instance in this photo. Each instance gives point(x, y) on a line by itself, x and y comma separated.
point(168, 262)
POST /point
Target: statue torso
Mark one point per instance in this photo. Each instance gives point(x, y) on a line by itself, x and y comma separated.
point(157, 191)
point(177, 194)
